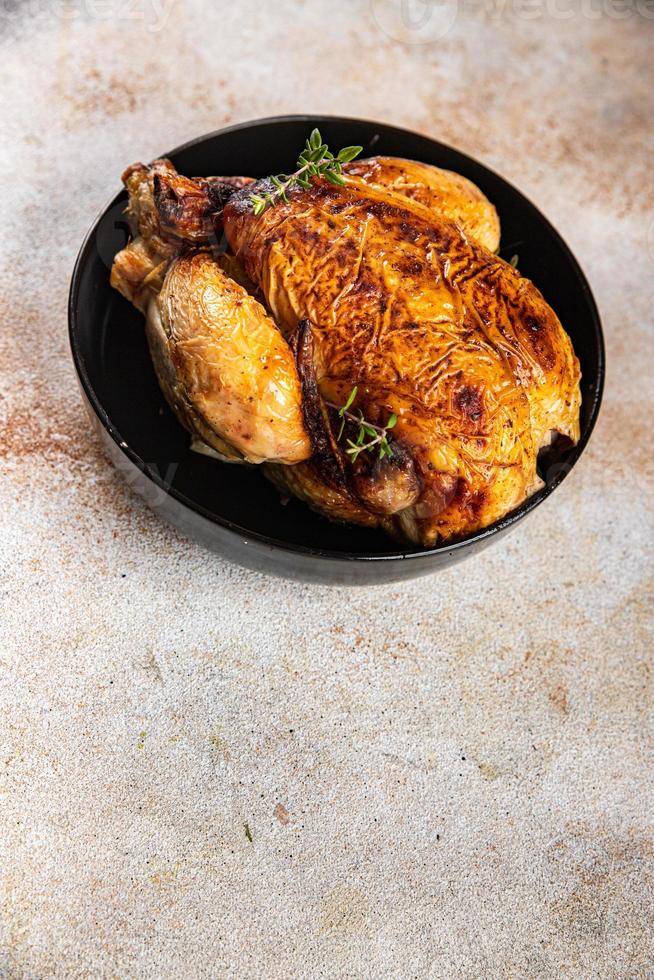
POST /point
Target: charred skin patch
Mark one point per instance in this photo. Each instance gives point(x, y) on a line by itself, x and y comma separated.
point(538, 335)
point(476, 503)
point(409, 267)
point(308, 236)
point(468, 401)
point(221, 189)
point(188, 209)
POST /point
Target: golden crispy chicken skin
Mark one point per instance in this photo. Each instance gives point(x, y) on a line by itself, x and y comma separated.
point(231, 361)
point(390, 284)
point(430, 326)
point(445, 193)
point(221, 361)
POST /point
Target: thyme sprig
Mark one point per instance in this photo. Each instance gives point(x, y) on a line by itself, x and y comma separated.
point(377, 435)
point(315, 160)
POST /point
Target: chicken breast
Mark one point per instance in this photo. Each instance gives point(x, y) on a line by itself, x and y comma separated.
point(429, 326)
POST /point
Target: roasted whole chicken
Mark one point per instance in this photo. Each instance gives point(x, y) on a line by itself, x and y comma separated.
point(361, 339)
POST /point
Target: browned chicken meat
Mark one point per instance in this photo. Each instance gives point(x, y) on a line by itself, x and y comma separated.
point(222, 364)
point(448, 194)
point(362, 341)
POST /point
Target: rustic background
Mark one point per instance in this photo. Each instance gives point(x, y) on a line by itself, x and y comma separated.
point(451, 778)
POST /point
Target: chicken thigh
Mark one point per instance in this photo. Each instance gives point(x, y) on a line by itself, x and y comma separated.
point(222, 363)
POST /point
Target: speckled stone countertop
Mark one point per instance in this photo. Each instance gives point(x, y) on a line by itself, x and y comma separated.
point(452, 778)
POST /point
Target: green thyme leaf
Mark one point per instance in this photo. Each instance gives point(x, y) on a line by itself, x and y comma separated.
point(334, 178)
point(377, 435)
point(315, 160)
point(348, 153)
point(349, 401)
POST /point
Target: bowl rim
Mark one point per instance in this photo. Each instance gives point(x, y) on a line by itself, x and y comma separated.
point(268, 541)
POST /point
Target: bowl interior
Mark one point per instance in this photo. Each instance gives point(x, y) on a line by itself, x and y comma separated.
point(112, 357)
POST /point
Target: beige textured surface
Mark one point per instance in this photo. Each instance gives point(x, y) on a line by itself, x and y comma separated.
point(446, 779)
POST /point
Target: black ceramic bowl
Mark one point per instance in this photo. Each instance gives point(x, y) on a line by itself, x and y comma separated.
point(233, 509)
